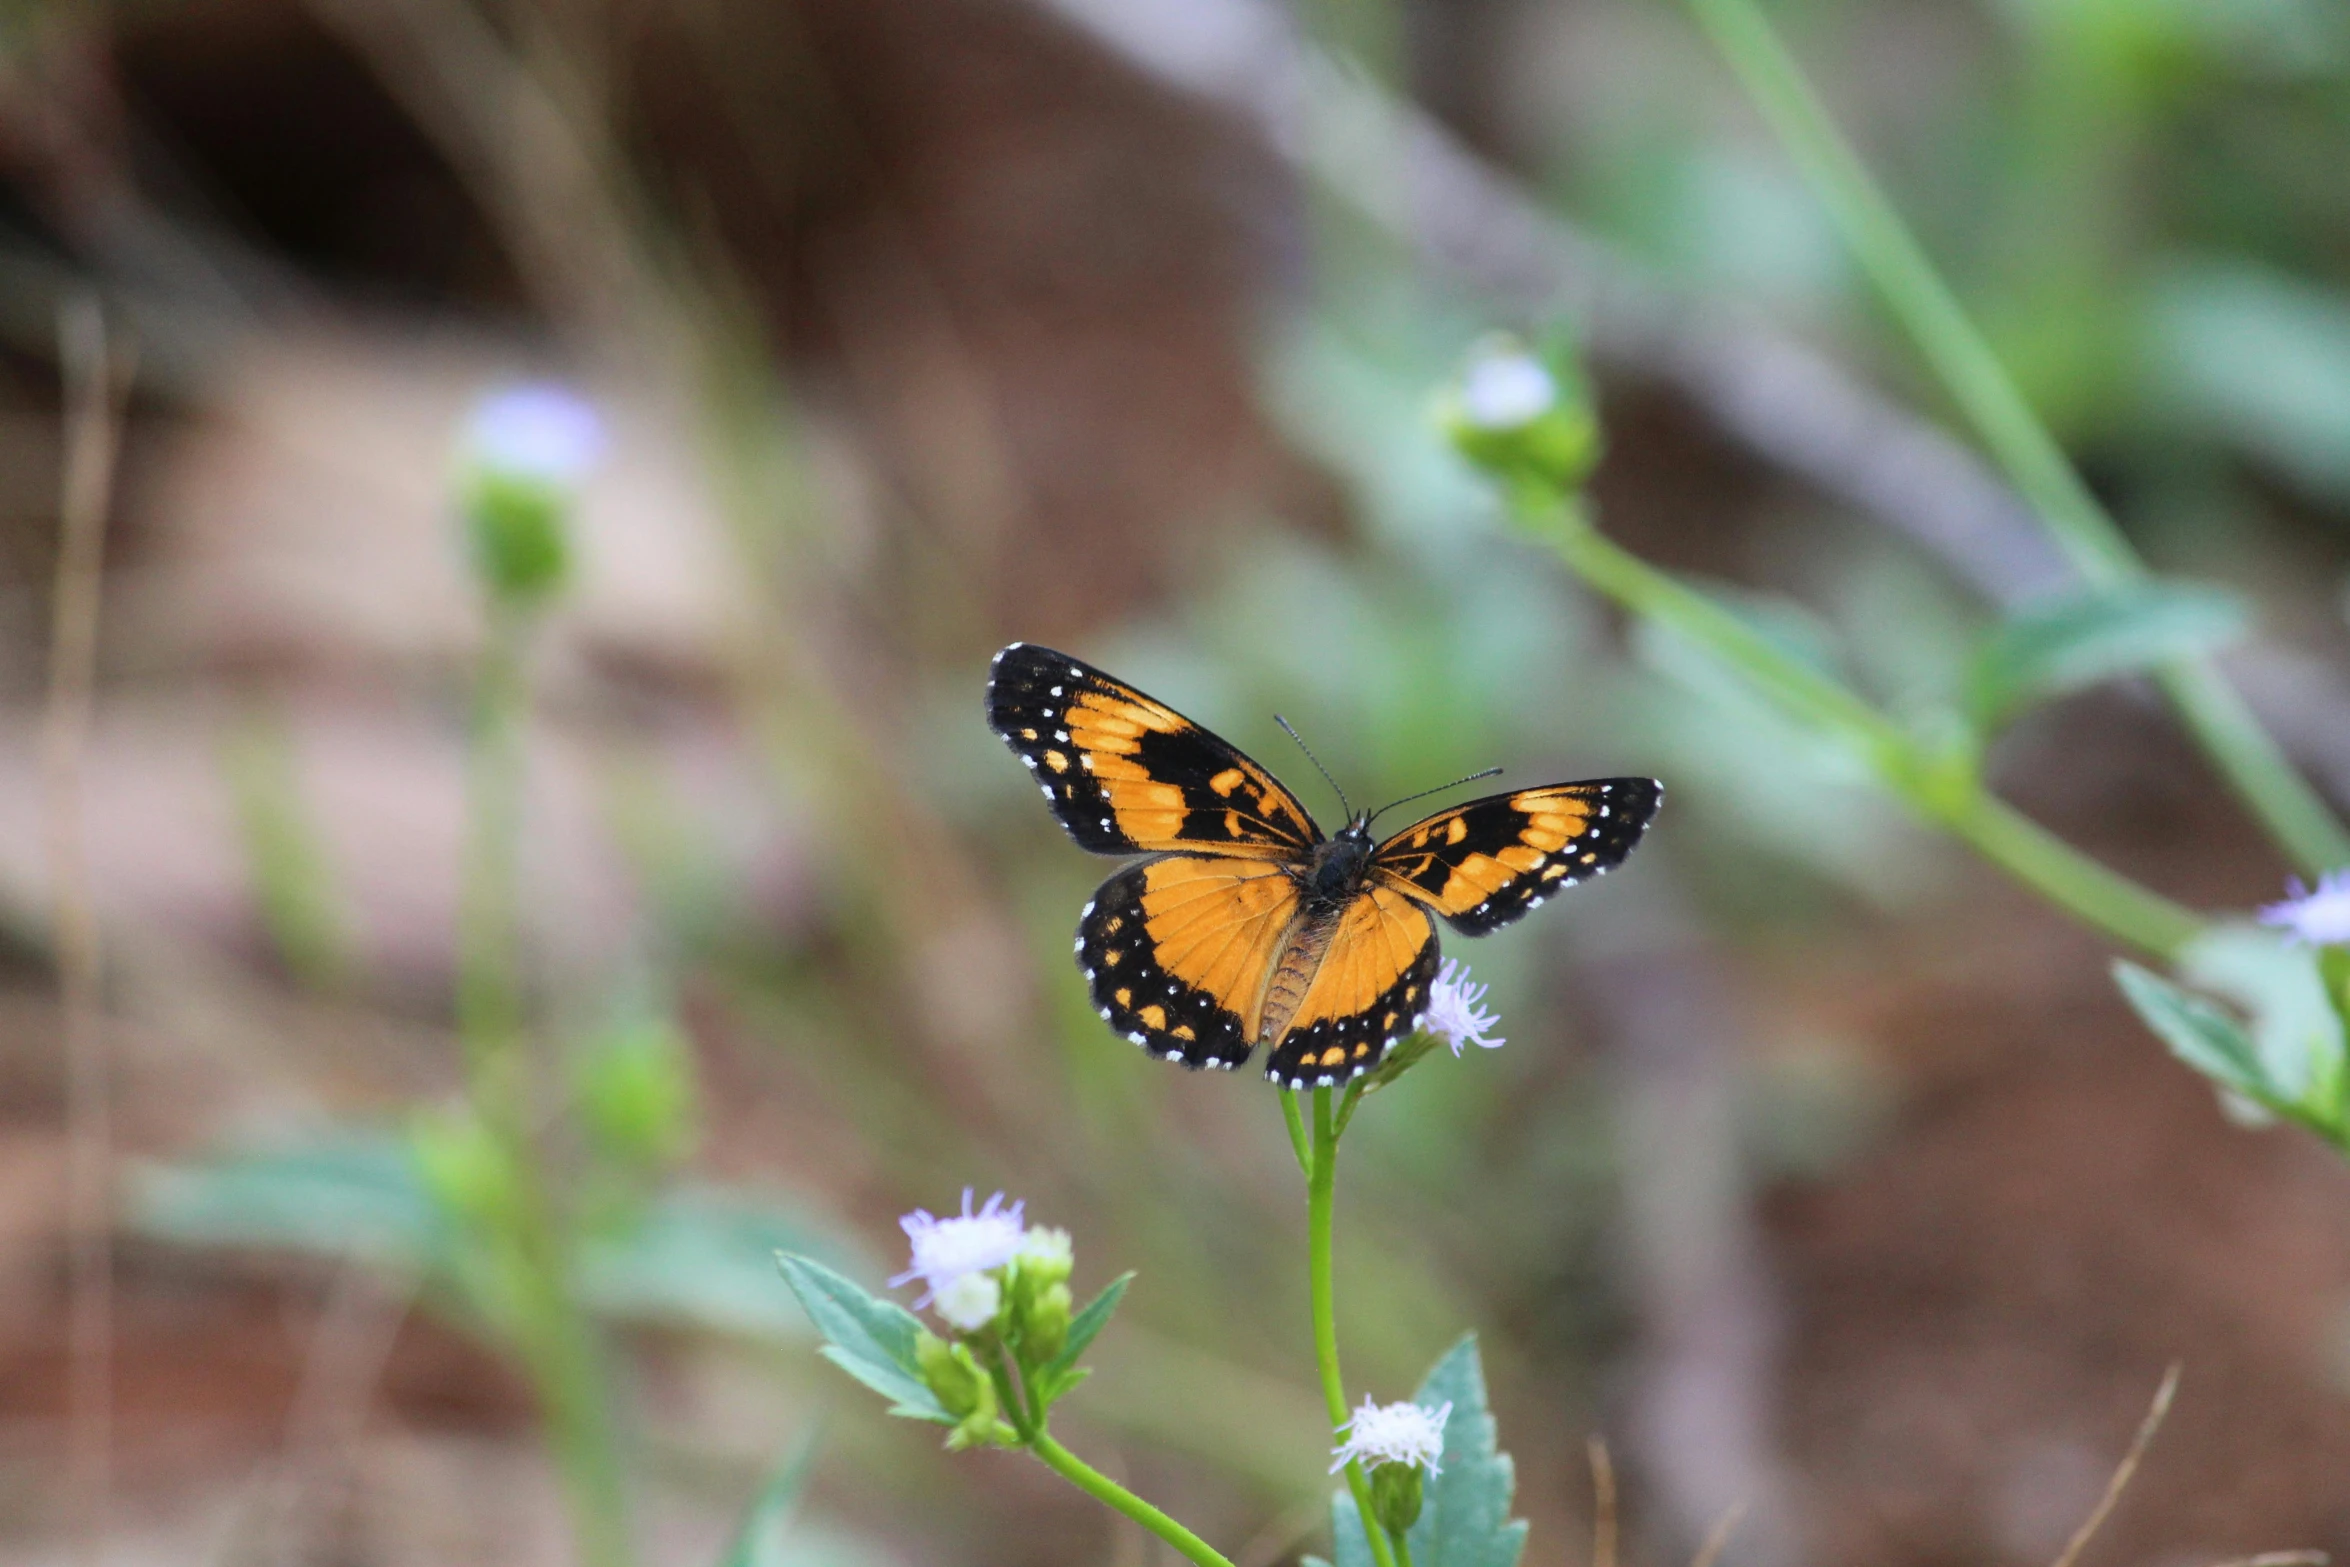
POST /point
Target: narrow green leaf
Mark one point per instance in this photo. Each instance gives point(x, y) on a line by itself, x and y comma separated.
point(1087, 1325)
point(1465, 1521)
point(870, 1338)
point(2079, 640)
point(703, 1256)
point(759, 1542)
point(2198, 1033)
point(344, 1194)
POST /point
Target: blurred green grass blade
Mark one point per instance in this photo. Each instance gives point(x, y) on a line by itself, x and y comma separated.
point(2262, 359)
point(2198, 1033)
point(292, 876)
point(759, 1543)
point(2082, 639)
point(869, 1338)
point(1465, 1520)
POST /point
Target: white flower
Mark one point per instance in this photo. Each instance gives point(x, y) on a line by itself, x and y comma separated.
point(1048, 1249)
point(1393, 1434)
point(540, 432)
point(2319, 918)
point(969, 1301)
point(1506, 388)
point(1453, 1013)
point(946, 1249)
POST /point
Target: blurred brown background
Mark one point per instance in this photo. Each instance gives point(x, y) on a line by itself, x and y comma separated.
point(1824, 1171)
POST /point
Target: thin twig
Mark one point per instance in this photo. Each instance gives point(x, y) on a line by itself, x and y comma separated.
point(1718, 1537)
point(2279, 1559)
point(1603, 1505)
point(91, 437)
point(2127, 1468)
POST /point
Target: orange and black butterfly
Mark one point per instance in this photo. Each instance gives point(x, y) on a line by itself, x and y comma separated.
point(1246, 926)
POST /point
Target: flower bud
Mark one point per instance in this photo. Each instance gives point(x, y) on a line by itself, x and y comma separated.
point(526, 450)
point(1522, 418)
point(954, 1378)
point(1044, 1324)
point(1396, 1491)
point(1047, 1256)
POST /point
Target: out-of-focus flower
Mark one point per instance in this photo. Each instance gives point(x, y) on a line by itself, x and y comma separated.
point(540, 432)
point(968, 1301)
point(1408, 1434)
point(2317, 917)
point(947, 1249)
point(1453, 1013)
point(1506, 389)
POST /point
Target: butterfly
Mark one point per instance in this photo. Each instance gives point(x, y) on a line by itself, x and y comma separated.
point(1245, 925)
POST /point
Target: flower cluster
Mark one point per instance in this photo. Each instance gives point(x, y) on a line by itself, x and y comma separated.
point(1003, 1288)
point(1453, 1013)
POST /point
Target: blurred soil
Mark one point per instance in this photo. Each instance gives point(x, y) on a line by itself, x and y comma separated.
point(981, 225)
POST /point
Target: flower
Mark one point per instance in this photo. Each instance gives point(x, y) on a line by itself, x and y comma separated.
point(539, 432)
point(1506, 388)
point(1410, 1434)
point(968, 1301)
point(2316, 918)
point(947, 1249)
point(1453, 1013)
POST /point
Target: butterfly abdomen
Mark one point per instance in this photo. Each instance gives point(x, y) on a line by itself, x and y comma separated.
point(1303, 948)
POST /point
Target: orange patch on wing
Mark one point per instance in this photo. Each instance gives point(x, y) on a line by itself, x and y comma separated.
point(1216, 925)
point(1378, 939)
point(1153, 1016)
point(1227, 780)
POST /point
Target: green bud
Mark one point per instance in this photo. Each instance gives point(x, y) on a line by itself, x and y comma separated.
point(1526, 419)
point(1395, 1496)
point(1047, 1257)
point(952, 1376)
point(1044, 1325)
point(636, 1093)
point(516, 527)
point(467, 1171)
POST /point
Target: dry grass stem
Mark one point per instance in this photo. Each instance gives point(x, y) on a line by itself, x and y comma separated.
point(1603, 1505)
point(2127, 1468)
point(92, 430)
point(2279, 1559)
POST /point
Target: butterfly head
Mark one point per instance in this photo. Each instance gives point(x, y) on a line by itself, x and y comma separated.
point(1339, 863)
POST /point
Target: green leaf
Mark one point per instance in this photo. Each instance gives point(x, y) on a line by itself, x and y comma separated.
point(1465, 1521)
point(2079, 640)
point(869, 1338)
point(2198, 1033)
point(759, 1542)
point(1347, 1542)
point(354, 1193)
point(2295, 1032)
point(1087, 1325)
point(702, 1256)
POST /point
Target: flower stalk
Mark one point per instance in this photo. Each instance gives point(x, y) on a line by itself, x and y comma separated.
point(1321, 1185)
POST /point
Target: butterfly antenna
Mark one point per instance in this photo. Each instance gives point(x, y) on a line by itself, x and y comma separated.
point(1318, 767)
point(1490, 772)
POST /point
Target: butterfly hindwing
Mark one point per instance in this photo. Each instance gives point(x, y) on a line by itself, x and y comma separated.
point(1370, 991)
point(1483, 864)
point(1126, 774)
point(1176, 952)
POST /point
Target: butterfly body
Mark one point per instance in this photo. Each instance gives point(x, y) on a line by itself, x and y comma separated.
point(1246, 926)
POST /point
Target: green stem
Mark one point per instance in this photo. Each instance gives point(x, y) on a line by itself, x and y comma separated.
point(558, 1343)
point(1110, 1493)
point(1297, 1133)
point(1938, 789)
point(1321, 1183)
point(2294, 813)
point(1403, 1547)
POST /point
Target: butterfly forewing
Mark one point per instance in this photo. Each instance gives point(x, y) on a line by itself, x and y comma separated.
point(1483, 864)
point(1176, 952)
point(1126, 774)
